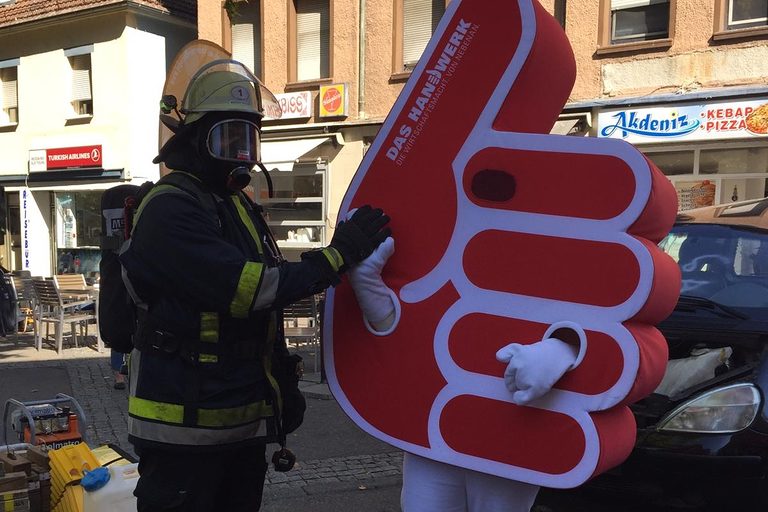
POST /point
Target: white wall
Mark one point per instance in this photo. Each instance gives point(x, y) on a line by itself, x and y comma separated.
point(145, 72)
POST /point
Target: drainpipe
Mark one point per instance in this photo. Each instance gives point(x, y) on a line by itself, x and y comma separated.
point(361, 62)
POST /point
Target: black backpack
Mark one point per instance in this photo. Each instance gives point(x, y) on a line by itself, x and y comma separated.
point(117, 314)
point(117, 308)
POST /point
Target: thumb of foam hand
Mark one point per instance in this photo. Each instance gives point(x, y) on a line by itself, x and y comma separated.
point(377, 301)
point(533, 369)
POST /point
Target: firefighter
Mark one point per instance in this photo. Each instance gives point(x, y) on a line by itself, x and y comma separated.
point(211, 381)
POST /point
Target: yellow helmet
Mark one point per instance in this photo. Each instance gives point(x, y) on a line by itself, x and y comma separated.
point(227, 86)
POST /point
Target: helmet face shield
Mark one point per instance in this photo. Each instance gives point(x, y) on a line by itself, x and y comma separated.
point(234, 140)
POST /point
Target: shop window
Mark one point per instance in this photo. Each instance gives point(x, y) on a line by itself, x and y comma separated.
point(674, 163)
point(746, 13)
point(78, 230)
point(415, 22)
point(707, 176)
point(80, 64)
point(9, 86)
point(296, 213)
point(246, 35)
point(310, 40)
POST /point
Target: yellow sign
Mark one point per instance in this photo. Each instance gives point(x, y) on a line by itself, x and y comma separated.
point(333, 100)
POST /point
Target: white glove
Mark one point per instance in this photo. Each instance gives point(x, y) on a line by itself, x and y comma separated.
point(379, 304)
point(533, 369)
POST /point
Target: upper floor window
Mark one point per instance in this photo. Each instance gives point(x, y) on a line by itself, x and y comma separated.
point(746, 13)
point(559, 12)
point(639, 20)
point(80, 62)
point(246, 36)
point(310, 45)
point(9, 86)
point(415, 22)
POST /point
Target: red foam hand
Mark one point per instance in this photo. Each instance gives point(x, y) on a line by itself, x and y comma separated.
point(501, 232)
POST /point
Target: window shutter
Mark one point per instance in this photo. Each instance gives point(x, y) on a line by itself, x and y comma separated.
point(246, 37)
point(629, 4)
point(81, 77)
point(420, 17)
point(312, 39)
point(9, 98)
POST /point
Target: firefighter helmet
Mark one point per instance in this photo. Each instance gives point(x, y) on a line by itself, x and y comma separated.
point(227, 86)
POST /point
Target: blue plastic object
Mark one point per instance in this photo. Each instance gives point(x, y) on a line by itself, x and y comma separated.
point(95, 480)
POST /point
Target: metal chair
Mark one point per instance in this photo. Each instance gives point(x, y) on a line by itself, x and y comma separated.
point(69, 284)
point(51, 309)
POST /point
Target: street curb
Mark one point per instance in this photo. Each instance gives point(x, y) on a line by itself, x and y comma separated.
point(275, 492)
point(315, 390)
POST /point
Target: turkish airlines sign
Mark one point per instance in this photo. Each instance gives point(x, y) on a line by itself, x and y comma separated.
point(65, 158)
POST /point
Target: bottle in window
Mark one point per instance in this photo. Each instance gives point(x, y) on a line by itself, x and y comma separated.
point(735, 196)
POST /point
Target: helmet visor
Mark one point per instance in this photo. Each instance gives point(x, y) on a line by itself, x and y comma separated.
point(234, 140)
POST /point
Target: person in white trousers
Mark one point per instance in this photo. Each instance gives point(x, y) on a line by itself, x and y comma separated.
point(532, 370)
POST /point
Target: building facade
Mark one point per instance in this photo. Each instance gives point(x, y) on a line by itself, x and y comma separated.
point(80, 83)
point(684, 80)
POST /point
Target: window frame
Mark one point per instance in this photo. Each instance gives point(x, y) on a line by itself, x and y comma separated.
point(559, 12)
point(5, 115)
point(293, 51)
point(605, 30)
point(722, 31)
point(72, 55)
point(227, 35)
point(398, 41)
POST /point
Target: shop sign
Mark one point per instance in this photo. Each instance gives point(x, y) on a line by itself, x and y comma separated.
point(333, 100)
point(25, 228)
point(710, 121)
point(295, 105)
point(65, 158)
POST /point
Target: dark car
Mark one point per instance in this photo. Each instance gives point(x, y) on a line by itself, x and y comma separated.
point(702, 438)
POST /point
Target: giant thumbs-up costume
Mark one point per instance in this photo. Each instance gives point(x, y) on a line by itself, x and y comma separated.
point(502, 232)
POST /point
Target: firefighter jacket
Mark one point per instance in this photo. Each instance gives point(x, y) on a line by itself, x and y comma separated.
point(211, 284)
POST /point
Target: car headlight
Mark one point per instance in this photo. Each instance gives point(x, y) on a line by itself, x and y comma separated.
point(724, 410)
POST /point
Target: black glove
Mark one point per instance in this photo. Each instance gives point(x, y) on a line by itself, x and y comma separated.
point(356, 238)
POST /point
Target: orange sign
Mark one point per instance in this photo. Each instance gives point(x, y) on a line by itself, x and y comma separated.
point(333, 100)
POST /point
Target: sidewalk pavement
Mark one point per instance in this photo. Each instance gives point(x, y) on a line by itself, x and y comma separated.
point(85, 374)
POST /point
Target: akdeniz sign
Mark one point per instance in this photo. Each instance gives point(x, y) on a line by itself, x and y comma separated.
point(710, 121)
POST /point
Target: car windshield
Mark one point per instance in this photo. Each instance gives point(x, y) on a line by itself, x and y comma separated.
point(727, 265)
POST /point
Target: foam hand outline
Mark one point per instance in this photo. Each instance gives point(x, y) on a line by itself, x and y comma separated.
point(485, 205)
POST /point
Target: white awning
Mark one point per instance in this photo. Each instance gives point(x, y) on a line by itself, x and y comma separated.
point(572, 125)
point(564, 126)
point(280, 155)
